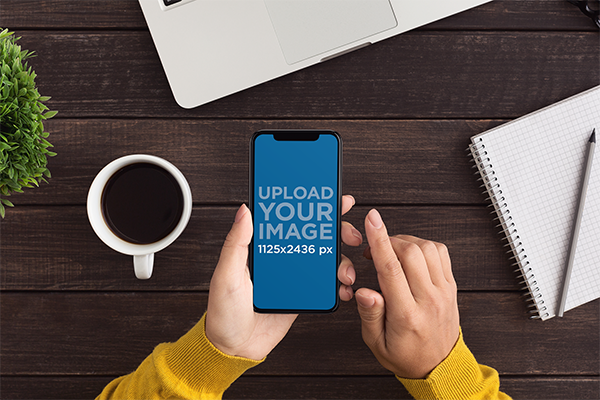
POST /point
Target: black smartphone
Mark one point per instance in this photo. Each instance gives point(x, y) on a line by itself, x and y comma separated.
point(295, 199)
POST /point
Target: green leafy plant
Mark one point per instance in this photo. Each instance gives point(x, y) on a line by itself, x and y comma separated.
point(23, 144)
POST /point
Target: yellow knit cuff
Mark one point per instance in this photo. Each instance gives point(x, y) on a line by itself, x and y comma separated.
point(457, 377)
point(195, 366)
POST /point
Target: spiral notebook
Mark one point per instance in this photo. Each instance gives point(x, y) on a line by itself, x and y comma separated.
point(532, 169)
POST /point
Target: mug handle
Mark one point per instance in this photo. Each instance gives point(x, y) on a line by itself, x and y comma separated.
point(142, 265)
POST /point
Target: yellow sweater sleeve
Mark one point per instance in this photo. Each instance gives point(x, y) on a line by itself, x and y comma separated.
point(191, 368)
point(459, 376)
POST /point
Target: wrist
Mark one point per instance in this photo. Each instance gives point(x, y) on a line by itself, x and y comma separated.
point(195, 361)
point(455, 377)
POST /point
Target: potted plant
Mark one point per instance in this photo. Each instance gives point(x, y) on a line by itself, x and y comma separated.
point(23, 144)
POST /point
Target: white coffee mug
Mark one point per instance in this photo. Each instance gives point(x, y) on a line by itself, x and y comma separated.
point(143, 254)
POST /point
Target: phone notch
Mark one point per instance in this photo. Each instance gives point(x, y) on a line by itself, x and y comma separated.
point(294, 136)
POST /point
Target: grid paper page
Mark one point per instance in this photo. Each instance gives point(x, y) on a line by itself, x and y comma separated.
point(539, 161)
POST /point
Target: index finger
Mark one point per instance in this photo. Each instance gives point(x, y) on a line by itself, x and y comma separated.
point(392, 280)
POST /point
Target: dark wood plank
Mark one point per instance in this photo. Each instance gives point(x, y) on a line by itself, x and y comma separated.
point(388, 387)
point(421, 74)
point(74, 333)
point(258, 387)
point(119, 14)
point(526, 15)
point(52, 388)
point(69, 14)
point(385, 162)
point(56, 249)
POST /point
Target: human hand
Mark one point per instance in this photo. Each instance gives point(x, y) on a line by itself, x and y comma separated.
point(232, 326)
point(413, 324)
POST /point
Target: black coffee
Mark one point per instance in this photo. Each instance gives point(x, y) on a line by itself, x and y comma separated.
point(142, 203)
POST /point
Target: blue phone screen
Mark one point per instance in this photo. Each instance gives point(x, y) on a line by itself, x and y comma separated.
point(295, 205)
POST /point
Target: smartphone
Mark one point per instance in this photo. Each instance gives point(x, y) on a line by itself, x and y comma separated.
point(295, 199)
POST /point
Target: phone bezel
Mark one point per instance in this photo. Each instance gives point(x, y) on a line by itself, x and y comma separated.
point(294, 134)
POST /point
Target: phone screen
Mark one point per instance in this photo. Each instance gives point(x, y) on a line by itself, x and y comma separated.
point(295, 201)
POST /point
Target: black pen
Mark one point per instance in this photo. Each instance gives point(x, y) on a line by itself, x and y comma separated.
point(575, 234)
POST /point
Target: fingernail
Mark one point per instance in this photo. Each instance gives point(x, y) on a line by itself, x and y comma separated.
point(350, 279)
point(349, 291)
point(240, 213)
point(375, 218)
point(364, 301)
point(356, 233)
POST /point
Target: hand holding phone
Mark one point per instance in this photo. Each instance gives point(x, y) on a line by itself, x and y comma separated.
point(232, 326)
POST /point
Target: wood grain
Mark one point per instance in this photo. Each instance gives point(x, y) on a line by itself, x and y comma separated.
point(385, 162)
point(111, 333)
point(484, 74)
point(74, 317)
point(126, 14)
point(56, 249)
point(386, 387)
point(326, 387)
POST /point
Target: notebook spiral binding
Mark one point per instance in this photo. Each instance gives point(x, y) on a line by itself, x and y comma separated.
point(507, 228)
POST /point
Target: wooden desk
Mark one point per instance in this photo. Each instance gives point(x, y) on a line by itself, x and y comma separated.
point(74, 316)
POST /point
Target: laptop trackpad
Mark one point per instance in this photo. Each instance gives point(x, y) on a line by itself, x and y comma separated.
point(307, 28)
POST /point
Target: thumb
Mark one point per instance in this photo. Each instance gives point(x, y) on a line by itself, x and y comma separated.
point(234, 253)
point(371, 308)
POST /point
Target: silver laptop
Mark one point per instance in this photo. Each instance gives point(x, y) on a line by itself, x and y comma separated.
point(212, 48)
